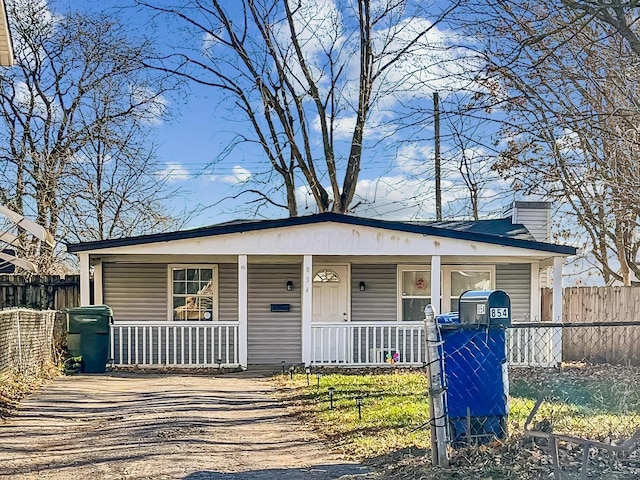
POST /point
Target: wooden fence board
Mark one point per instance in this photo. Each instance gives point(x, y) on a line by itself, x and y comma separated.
point(617, 345)
point(40, 292)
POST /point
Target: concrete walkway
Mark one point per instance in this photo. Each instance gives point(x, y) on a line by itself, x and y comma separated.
point(133, 426)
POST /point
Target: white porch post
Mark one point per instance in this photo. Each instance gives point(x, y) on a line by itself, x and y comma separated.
point(85, 285)
point(307, 308)
point(534, 306)
point(97, 283)
point(436, 287)
point(556, 314)
point(557, 289)
point(243, 316)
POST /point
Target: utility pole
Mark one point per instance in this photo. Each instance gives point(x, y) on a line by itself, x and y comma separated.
point(436, 119)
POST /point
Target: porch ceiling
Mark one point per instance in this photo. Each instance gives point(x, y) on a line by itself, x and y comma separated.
point(318, 259)
point(6, 47)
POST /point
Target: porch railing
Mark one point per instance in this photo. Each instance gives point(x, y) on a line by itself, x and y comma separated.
point(184, 344)
point(402, 343)
point(534, 345)
point(368, 343)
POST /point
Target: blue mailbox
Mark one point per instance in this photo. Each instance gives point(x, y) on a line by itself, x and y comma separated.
point(492, 307)
point(474, 358)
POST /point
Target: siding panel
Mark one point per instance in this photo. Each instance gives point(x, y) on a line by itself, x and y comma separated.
point(516, 281)
point(274, 336)
point(379, 300)
point(228, 292)
point(136, 291)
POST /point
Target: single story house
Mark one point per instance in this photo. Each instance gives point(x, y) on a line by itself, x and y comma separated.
point(324, 289)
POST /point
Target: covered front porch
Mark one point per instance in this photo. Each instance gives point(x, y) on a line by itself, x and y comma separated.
point(325, 290)
point(282, 312)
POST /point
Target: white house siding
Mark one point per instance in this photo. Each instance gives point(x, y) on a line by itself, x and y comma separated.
point(136, 291)
point(139, 291)
point(536, 216)
point(228, 292)
point(379, 300)
point(515, 280)
point(274, 336)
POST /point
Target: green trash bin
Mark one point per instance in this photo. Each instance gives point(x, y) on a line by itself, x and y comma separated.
point(88, 336)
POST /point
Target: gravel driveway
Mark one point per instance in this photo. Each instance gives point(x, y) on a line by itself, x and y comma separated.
point(133, 426)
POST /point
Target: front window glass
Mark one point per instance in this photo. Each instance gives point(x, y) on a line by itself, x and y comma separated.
point(463, 280)
point(416, 294)
point(194, 293)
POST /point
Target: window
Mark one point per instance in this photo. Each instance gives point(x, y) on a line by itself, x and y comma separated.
point(326, 276)
point(415, 292)
point(462, 278)
point(194, 292)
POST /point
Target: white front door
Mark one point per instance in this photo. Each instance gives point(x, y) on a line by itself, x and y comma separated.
point(330, 305)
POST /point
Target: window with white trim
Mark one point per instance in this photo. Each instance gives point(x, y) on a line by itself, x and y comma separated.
point(414, 287)
point(460, 278)
point(194, 292)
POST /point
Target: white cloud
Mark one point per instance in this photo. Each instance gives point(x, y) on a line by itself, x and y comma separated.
point(239, 175)
point(174, 172)
point(415, 160)
point(24, 96)
point(150, 106)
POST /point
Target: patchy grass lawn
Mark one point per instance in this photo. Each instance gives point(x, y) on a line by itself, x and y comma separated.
point(395, 410)
point(595, 402)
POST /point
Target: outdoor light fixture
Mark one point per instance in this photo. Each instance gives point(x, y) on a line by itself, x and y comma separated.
point(331, 392)
point(220, 364)
point(282, 363)
point(359, 405)
point(308, 372)
point(289, 285)
point(363, 286)
point(318, 376)
point(291, 369)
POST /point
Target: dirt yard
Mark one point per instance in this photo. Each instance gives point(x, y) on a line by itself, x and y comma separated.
point(133, 426)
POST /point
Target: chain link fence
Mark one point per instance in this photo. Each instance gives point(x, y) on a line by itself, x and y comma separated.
point(590, 387)
point(571, 388)
point(27, 341)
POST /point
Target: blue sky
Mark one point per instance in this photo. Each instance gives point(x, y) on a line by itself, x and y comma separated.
point(396, 181)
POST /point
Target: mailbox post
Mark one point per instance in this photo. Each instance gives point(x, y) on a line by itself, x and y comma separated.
point(475, 368)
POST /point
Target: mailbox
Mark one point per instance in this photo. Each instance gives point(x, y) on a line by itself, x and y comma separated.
point(492, 307)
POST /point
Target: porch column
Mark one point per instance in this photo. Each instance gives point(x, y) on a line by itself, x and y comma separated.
point(243, 315)
point(307, 308)
point(436, 287)
point(97, 283)
point(534, 306)
point(556, 312)
point(85, 285)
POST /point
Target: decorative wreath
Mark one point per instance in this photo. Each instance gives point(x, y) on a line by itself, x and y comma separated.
point(421, 283)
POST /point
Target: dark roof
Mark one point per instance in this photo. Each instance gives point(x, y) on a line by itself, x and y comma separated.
point(501, 227)
point(497, 232)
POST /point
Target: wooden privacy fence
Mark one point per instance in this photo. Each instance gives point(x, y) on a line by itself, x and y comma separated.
point(595, 304)
point(40, 292)
point(611, 317)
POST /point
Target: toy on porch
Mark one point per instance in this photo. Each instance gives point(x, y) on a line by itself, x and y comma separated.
point(392, 358)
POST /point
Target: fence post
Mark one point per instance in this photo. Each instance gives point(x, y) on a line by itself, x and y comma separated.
point(438, 420)
point(21, 366)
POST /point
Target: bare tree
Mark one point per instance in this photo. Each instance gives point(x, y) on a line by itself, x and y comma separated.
point(79, 95)
point(570, 87)
point(307, 76)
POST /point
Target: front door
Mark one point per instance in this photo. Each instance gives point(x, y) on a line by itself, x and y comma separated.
point(330, 305)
